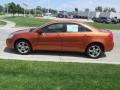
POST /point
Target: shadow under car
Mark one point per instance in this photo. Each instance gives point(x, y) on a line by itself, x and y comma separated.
point(52, 53)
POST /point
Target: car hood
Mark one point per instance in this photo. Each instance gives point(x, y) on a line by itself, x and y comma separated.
point(23, 31)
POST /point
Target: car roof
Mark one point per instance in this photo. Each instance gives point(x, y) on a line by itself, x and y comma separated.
point(71, 22)
point(64, 21)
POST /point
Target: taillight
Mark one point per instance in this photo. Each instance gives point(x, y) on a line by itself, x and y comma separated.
point(111, 36)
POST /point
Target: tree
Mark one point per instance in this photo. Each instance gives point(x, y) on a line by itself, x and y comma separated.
point(107, 9)
point(87, 10)
point(38, 10)
point(1, 9)
point(32, 11)
point(99, 9)
point(44, 10)
point(76, 10)
point(19, 9)
point(12, 8)
point(54, 12)
point(113, 10)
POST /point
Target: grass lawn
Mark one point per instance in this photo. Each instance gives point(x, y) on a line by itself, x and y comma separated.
point(33, 22)
point(28, 75)
point(2, 23)
point(28, 21)
point(106, 26)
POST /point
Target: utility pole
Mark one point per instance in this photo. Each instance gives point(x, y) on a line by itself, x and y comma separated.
point(35, 11)
point(48, 6)
point(29, 12)
point(25, 6)
point(28, 5)
point(88, 14)
point(7, 9)
point(24, 12)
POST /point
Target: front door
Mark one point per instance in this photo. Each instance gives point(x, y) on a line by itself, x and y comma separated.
point(50, 38)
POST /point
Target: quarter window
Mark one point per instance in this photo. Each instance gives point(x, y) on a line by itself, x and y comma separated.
point(83, 29)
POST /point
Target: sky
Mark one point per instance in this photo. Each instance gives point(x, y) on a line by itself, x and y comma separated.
point(68, 5)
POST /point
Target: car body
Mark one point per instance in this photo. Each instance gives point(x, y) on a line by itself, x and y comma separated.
point(61, 16)
point(103, 20)
point(118, 20)
point(108, 21)
point(114, 20)
point(62, 36)
point(95, 19)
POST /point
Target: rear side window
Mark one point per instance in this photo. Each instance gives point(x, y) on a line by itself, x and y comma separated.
point(72, 28)
point(76, 28)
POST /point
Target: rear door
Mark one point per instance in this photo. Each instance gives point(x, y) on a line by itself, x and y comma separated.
point(74, 37)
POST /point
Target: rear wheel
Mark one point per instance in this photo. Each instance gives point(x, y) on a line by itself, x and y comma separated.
point(23, 47)
point(94, 51)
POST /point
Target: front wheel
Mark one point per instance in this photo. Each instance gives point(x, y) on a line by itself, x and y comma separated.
point(23, 47)
point(94, 51)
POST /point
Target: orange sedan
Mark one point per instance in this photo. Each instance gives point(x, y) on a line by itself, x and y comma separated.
point(63, 36)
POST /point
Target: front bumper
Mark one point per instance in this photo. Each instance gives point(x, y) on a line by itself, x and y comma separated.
point(9, 43)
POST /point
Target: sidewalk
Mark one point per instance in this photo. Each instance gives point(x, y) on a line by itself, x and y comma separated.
point(9, 24)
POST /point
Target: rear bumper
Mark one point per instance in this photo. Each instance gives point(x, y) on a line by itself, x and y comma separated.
point(109, 46)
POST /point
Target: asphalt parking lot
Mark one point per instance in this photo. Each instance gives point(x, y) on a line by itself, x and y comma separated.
point(112, 57)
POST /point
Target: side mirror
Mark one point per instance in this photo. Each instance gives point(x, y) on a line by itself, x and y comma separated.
point(39, 32)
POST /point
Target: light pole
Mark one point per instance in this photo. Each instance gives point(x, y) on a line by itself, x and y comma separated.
point(35, 11)
point(28, 5)
point(48, 6)
point(7, 9)
point(24, 11)
point(25, 6)
point(88, 14)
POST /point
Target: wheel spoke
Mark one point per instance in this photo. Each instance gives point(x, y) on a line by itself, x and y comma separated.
point(90, 50)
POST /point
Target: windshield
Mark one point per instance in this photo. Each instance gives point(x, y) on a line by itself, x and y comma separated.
point(31, 29)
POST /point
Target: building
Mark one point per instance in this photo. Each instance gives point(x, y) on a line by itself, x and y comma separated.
point(89, 14)
point(92, 14)
point(109, 14)
point(84, 14)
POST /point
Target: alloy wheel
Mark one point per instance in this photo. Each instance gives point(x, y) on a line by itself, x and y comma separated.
point(23, 47)
point(94, 51)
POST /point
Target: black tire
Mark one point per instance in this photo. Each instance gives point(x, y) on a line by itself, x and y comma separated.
point(23, 47)
point(94, 51)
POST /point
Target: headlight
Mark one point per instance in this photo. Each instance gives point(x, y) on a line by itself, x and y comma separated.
point(10, 36)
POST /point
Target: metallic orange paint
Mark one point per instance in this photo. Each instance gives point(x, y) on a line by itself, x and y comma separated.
point(69, 41)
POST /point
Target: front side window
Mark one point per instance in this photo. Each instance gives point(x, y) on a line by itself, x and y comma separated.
point(56, 28)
